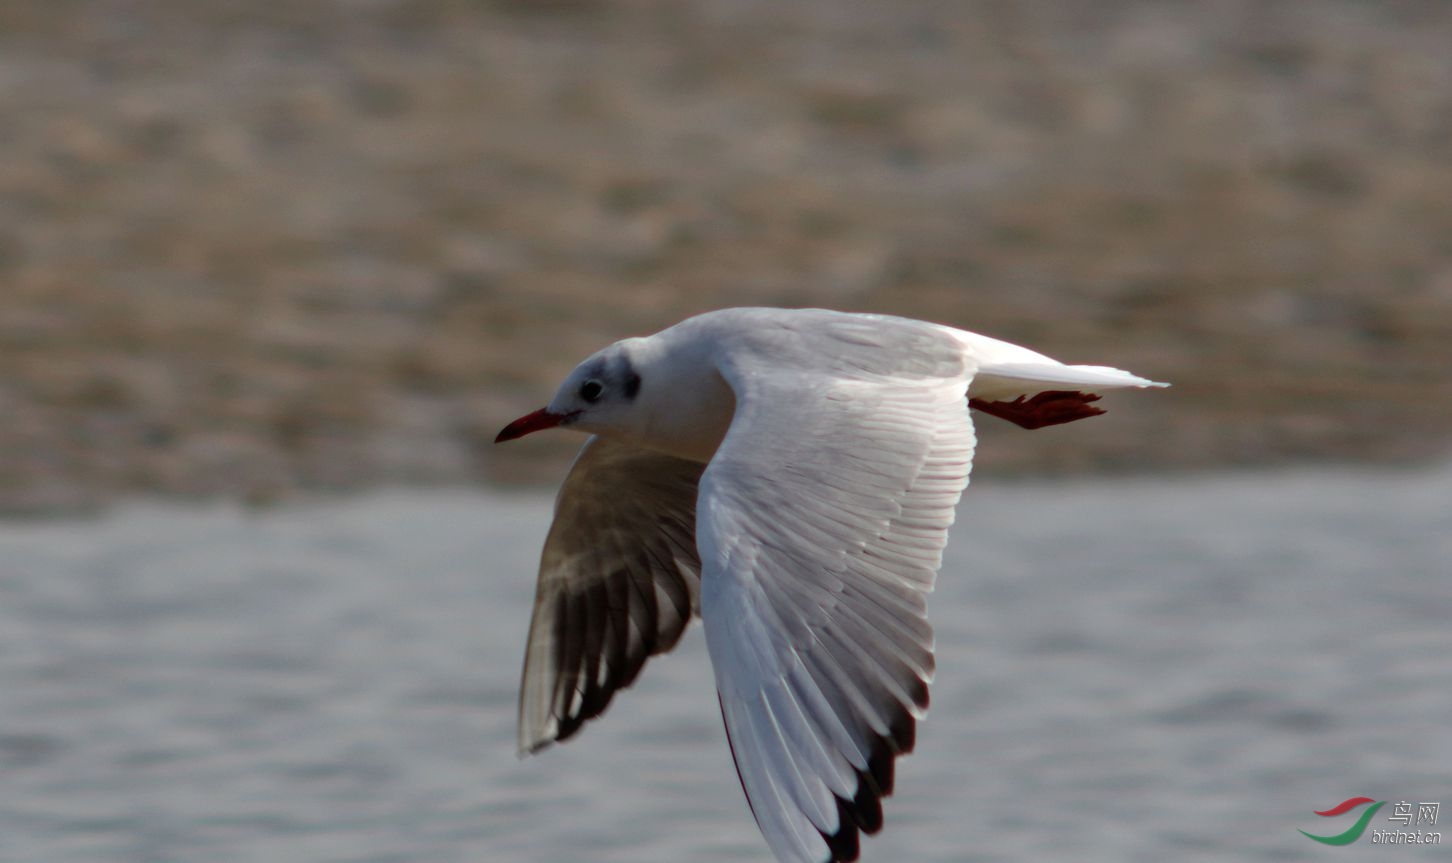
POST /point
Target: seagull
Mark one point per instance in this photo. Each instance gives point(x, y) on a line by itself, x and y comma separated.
point(789, 475)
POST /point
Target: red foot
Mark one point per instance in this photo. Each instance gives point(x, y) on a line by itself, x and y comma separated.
point(1044, 409)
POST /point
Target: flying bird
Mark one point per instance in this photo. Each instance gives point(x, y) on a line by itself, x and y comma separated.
point(790, 475)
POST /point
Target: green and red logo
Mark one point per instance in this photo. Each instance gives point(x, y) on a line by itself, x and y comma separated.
point(1356, 830)
point(1403, 813)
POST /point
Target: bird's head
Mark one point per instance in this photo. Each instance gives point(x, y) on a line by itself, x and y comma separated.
point(597, 397)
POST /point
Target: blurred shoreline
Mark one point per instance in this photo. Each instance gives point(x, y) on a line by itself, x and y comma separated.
point(329, 246)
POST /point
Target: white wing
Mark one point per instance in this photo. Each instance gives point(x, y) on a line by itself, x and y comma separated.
point(821, 524)
point(618, 582)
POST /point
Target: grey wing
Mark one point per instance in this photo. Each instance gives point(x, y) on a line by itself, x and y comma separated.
point(618, 583)
point(821, 524)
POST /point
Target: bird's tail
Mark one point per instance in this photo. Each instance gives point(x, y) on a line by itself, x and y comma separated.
point(1032, 390)
point(1007, 371)
point(1011, 379)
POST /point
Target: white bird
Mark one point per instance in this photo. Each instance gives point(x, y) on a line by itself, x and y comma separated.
point(790, 475)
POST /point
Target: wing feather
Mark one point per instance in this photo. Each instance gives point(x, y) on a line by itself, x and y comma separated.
point(822, 521)
point(618, 583)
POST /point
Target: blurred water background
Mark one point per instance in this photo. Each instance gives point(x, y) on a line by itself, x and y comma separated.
point(273, 274)
point(1133, 670)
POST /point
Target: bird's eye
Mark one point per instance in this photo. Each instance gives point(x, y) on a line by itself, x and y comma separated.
point(590, 390)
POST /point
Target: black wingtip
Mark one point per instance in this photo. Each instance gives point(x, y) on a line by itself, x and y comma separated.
point(845, 845)
point(863, 813)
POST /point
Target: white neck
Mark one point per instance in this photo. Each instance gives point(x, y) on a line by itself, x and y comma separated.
point(684, 407)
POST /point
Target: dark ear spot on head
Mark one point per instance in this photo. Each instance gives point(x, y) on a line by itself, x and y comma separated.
point(632, 385)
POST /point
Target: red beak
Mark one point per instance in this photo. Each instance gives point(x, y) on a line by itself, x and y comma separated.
point(530, 423)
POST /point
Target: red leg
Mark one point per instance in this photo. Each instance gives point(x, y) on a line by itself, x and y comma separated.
point(1044, 409)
